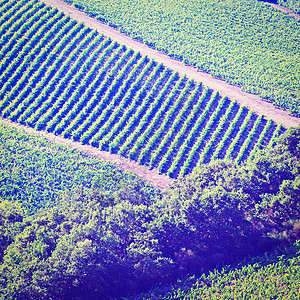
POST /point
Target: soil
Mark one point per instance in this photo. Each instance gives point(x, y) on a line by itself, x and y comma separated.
point(284, 9)
point(251, 101)
point(161, 182)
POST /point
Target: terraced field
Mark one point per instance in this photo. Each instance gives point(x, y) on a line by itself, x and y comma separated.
point(62, 77)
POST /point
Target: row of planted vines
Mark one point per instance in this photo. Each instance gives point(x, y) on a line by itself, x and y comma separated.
point(59, 76)
point(36, 172)
point(247, 43)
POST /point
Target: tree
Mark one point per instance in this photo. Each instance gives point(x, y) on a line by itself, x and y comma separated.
point(11, 222)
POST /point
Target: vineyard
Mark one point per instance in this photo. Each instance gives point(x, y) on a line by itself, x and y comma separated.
point(62, 77)
point(247, 43)
point(76, 226)
point(36, 172)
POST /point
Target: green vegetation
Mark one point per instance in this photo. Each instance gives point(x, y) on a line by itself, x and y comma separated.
point(60, 76)
point(75, 227)
point(293, 5)
point(273, 276)
point(96, 245)
point(36, 172)
point(245, 42)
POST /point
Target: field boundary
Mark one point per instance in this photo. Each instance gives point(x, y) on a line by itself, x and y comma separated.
point(251, 101)
point(286, 10)
point(161, 182)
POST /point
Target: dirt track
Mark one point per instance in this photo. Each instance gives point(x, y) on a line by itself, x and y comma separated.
point(253, 102)
point(284, 9)
point(161, 182)
point(158, 181)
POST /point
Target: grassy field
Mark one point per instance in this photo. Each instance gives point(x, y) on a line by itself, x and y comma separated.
point(293, 5)
point(245, 42)
point(36, 172)
point(62, 77)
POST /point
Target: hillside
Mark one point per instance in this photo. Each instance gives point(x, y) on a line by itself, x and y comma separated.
point(96, 244)
point(37, 172)
point(79, 84)
point(247, 43)
point(273, 276)
point(119, 175)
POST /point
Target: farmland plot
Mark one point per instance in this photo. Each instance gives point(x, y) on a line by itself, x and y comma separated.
point(59, 76)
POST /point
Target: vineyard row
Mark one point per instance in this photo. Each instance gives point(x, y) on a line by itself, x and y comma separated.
point(60, 76)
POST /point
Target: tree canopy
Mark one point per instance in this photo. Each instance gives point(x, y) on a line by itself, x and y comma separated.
point(99, 244)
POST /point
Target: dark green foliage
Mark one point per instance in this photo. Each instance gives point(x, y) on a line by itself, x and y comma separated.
point(266, 188)
point(97, 245)
point(85, 248)
point(274, 184)
point(276, 275)
point(11, 222)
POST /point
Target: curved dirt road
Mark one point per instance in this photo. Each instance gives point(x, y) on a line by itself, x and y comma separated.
point(251, 101)
point(286, 10)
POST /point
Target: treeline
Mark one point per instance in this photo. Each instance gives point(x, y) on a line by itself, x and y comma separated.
point(98, 244)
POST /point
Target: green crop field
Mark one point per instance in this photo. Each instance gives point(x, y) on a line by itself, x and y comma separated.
point(62, 77)
point(245, 42)
point(36, 172)
point(75, 227)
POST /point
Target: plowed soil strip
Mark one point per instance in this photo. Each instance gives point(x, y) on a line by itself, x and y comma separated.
point(161, 182)
point(251, 101)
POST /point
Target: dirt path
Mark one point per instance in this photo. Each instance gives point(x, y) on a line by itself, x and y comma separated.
point(253, 102)
point(161, 182)
point(286, 10)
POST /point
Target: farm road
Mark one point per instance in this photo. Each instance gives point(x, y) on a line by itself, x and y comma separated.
point(286, 10)
point(251, 101)
point(161, 182)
